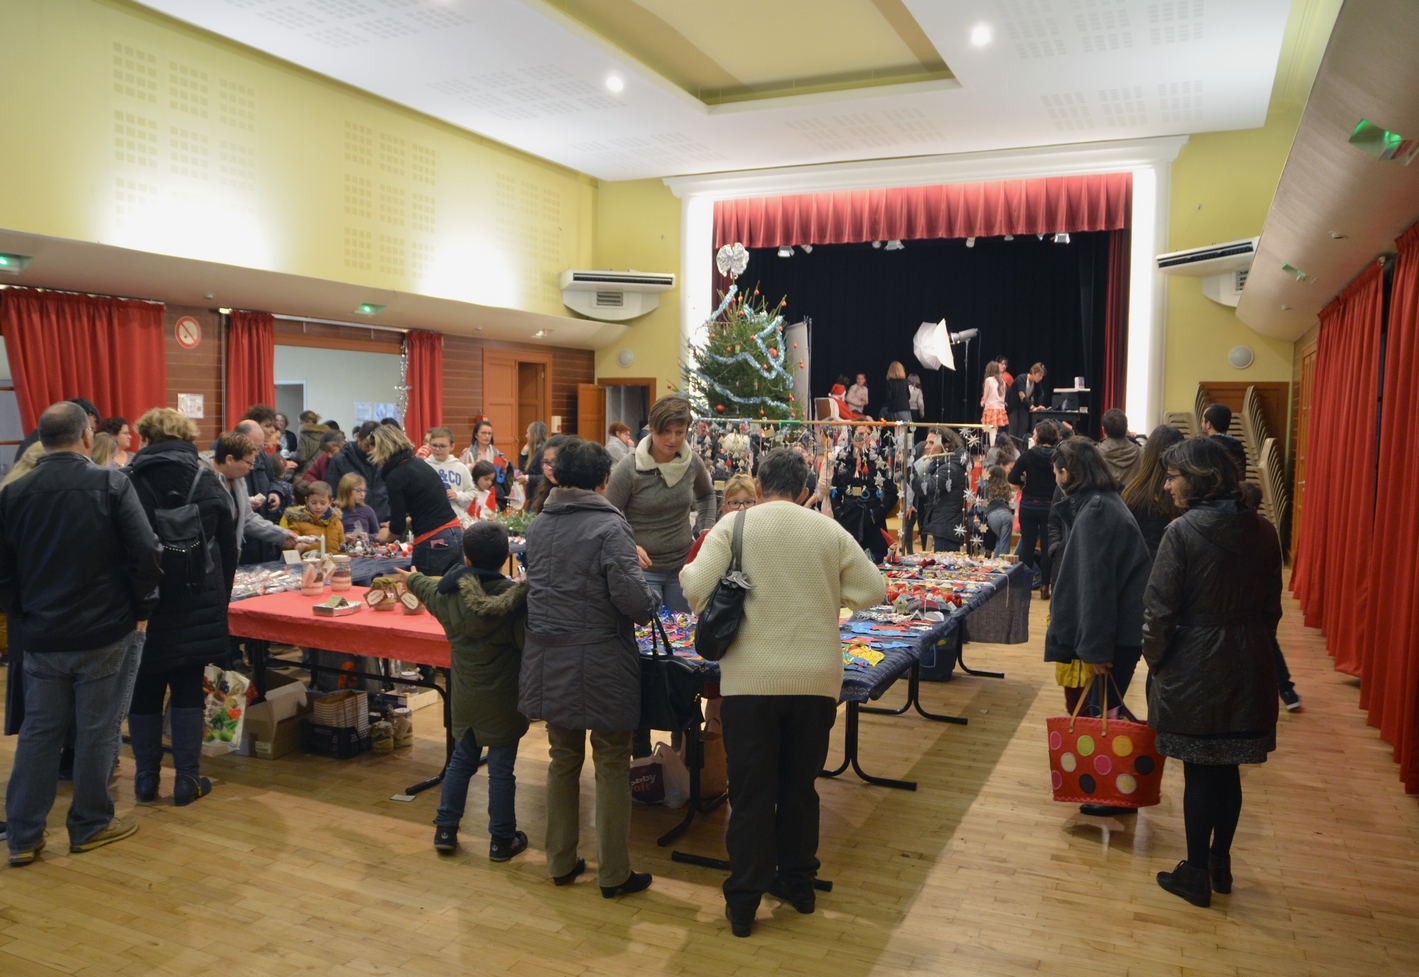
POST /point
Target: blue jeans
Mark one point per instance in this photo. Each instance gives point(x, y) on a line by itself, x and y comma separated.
point(666, 587)
point(1002, 523)
point(91, 688)
point(502, 786)
point(434, 560)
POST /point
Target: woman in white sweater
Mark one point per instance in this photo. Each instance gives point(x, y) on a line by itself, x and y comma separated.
point(780, 679)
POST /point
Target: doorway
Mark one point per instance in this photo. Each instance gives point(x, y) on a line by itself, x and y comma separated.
point(515, 393)
point(290, 400)
point(601, 404)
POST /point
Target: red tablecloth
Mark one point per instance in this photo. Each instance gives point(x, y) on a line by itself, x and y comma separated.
point(287, 618)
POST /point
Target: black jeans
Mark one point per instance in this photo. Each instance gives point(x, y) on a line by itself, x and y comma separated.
point(1034, 527)
point(776, 746)
point(1283, 674)
point(153, 683)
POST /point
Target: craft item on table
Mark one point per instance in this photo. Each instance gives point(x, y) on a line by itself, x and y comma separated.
point(410, 603)
point(312, 576)
point(860, 658)
point(380, 599)
point(340, 572)
point(390, 584)
point(334, 607)
point(254, 583)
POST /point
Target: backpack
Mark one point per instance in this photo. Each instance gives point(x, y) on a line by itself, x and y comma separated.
point(187, 559)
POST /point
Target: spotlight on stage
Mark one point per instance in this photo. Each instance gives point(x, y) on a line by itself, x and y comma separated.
point(1010, 237)
point(786, 251)
point(895, 246)
point(1061, 238)
point(876, 244)
point(965, 335)
point(807, 248)
point(970, 242)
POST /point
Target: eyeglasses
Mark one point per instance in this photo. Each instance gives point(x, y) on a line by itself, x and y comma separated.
point(1171, 477)
point(738, 504)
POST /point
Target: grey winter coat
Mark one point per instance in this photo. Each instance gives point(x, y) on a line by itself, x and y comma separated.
point(1097, 604)
point(1210, 612)
point(580, 665)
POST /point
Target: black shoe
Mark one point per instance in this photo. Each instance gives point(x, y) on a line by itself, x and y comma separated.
point(1219, 870)
point(739, 927)
point(1291, 700)
point(1189, 882)
point(445, 838)
point(805, 904)
point(145, 787)
point(187, 789)
point(570, 877)
point(502, 849)
point(636, 882)
point(1105, 810)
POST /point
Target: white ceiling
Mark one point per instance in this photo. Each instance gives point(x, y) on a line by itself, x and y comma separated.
point(1056, 71)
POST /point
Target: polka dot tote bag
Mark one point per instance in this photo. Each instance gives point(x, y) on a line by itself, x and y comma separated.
point(1103, 761)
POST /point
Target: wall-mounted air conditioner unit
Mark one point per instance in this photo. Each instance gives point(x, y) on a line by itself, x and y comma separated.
point(614, 295)
point(1223, 268)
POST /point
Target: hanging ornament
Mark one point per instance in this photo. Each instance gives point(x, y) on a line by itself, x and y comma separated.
point(719, 408)
point(800, 362)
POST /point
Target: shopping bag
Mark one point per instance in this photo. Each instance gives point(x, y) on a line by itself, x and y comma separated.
point(1103, 761)
point(661, 778)
point(670, 686)
point(226, 694)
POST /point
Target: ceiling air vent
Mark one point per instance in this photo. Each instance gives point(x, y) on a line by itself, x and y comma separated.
point(613, 296)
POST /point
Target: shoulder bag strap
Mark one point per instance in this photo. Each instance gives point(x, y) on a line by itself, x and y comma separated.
point(736, 545)
point(195, 480)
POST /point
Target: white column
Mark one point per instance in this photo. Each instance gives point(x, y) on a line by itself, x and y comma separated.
point(696, 265)
point(1147, 300)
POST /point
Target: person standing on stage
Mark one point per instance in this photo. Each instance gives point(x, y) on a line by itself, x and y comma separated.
point(857, 396)
point(897, 406)
point(992, 401)
point(780, 680)
point(1026, 395)
point(916, 400)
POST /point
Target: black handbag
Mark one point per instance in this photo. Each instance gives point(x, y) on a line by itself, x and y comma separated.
point(670, 686)
point(718, 625)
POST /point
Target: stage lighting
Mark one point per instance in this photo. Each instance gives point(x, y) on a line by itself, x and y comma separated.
point(786, 251)
point(970, 242)
point(895, 246)
point(1061, 238)
point(807, 248)
point(1010, 237)
point(876, 244)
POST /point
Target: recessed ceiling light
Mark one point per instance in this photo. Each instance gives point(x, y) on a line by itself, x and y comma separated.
point(980, 35)
point(1285, 308)
point(1337, 236)
point(615, 83)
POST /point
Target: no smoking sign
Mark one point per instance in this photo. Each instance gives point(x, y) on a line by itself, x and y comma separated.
point(188, 331)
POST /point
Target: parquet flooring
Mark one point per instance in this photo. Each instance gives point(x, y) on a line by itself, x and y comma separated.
point(304, 865)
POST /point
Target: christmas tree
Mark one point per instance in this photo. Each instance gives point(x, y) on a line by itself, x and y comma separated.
point(743, 370)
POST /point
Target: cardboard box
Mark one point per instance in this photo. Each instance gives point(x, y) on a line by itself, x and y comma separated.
point(273, 728)
point(411, 697)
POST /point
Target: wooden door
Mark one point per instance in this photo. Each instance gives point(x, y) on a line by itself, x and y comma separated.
point(531, 394)
point(500, 396)
point(1304, 395)
point(591, 412)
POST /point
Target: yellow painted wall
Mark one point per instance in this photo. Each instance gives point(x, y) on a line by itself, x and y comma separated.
point(1222, 185)
point(638, 226)
point(128, 128)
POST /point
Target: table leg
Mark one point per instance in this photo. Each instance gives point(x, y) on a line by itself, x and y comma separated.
point(822, 885)
point(961, 660)
point(850, 745)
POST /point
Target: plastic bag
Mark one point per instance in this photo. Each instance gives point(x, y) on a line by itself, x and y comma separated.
point(224, 709)
point(661, 778)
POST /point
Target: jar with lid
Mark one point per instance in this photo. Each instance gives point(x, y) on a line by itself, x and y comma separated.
point(340, 576)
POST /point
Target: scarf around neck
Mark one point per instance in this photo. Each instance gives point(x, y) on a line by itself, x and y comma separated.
point(672, 471)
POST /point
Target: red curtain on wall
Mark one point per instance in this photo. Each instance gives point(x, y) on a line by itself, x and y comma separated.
point(1390, 663)
point(64, 345)
point(1115, 381)
point(251, 363)
point(1330, 570)
point(1103, 202)
point(423, 382)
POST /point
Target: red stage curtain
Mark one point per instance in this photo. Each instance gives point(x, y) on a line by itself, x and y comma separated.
point(1330, 567)
point(64, 345)
point(1102, 202)
point(251, 363)
point(1390, 664)
point(1115, 381)
point(423, 382)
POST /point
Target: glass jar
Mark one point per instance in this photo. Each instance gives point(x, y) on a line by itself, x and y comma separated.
point(340, 576)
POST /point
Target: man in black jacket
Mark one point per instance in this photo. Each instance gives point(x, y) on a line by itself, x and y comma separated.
point(79, 575)
point(354, 457)
point(1025, 395)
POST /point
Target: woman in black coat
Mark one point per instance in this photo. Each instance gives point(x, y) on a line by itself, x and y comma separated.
point(1034, 470)
point(188, 630)
point(897, 406)
point(1096, 615)
point(863, 493)
point(940, 494)
point(1209, 618)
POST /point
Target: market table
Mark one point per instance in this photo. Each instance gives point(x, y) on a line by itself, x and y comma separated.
point(287, 618)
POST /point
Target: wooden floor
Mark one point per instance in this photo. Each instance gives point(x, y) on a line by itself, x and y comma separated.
point(306, 865)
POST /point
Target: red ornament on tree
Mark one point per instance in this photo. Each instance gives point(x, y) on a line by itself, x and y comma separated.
point(719, 408)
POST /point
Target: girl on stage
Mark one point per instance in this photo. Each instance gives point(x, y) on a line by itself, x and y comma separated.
point(993, 400)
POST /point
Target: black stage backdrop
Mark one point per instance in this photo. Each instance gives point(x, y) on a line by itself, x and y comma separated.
point(1032, 300)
